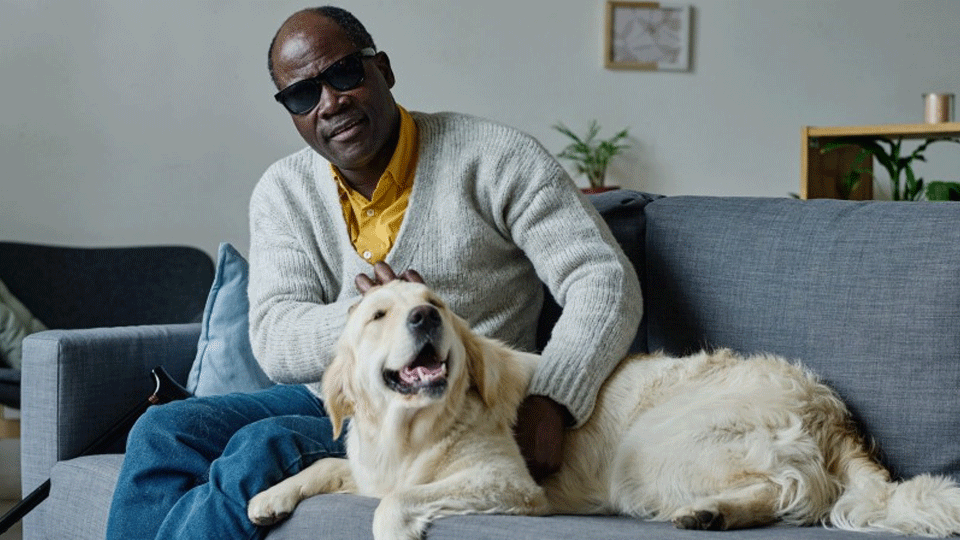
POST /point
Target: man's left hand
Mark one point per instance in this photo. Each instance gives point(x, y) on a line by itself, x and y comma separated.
point(539, 433)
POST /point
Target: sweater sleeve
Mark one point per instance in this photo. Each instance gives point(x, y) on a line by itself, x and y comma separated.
point(577, 257)
point(295, 317)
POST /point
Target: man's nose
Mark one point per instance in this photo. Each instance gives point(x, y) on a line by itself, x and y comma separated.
point(331, 101)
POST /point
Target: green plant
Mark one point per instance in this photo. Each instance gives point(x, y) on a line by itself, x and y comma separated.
point(905, 185)
point(589, 155)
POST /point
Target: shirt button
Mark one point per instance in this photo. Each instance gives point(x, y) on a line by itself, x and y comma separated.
point(367, 254)
point(370, 213)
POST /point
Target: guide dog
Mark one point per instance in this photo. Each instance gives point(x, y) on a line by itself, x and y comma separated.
point(708, 441)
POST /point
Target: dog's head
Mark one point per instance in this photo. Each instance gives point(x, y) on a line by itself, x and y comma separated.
point(403, 347)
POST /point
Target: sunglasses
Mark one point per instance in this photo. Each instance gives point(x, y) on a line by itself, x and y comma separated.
point(345, 74)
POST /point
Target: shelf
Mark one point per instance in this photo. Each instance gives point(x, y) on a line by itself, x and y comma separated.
point(820, 173)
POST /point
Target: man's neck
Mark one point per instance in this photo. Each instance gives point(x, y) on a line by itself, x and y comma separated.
point(365, 185)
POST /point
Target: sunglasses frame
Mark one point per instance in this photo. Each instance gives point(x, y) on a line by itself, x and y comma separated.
point(322, 77)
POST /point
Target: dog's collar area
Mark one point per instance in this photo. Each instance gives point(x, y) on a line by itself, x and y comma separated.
point(426, 372)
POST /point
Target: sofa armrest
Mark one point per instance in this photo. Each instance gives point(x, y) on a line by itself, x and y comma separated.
point(77, 383)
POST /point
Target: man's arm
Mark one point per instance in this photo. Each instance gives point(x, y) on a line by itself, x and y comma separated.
point(295, 318)
point(579, 260)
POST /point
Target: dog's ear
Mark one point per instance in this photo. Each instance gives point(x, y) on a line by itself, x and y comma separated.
point(499, 379)
point(338, 392)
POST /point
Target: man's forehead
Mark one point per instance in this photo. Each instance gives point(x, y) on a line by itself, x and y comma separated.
point(309, 38)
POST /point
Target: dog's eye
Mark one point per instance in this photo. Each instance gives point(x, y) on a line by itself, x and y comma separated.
point(378, 314)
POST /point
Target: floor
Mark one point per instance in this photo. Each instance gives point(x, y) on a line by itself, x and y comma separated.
point(15, 532)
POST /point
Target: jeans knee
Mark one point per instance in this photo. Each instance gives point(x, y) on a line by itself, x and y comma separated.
point(165, 424)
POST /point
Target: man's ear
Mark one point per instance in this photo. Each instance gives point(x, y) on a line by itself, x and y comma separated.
point(383, 64)
point(338, 395)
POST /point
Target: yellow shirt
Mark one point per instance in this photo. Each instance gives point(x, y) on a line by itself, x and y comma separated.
point(373, 224)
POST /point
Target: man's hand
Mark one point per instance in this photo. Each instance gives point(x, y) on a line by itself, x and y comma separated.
point(383, 274)
point(539, 433)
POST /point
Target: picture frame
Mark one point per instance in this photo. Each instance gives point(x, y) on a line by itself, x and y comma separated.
point(653, 36)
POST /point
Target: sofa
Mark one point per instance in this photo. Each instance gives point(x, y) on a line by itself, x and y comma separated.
point(864, 293)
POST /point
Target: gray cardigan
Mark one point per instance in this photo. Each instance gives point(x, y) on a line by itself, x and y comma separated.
point(491, 216)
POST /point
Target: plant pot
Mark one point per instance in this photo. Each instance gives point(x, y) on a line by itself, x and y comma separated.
point(601, 189)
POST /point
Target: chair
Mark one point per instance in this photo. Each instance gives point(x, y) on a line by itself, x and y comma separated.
point(73, 288)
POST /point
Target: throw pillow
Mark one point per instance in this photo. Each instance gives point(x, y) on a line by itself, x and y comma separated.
point(225, 361)
point(16, 323)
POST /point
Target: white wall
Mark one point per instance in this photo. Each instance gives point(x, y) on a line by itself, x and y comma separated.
point(131, 122)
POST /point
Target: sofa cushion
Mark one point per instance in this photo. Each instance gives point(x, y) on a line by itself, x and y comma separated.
point(866, 294)
point(350, 517)
point(81, 500)
point(225, 361)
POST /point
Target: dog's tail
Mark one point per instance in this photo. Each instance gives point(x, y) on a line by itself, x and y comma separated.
point(922, 506)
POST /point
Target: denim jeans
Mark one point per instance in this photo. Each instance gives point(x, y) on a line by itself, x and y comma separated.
point(192, 465)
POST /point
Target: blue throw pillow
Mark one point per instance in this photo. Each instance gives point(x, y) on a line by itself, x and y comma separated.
point(225, 361)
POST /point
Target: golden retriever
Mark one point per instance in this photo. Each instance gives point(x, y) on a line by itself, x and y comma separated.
point(709, 441)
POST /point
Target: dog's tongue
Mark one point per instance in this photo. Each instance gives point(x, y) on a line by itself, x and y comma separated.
point(421, 374)
point(426, 367)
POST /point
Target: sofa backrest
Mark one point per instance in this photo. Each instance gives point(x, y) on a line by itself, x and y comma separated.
point(867, 294)
point(74, 287)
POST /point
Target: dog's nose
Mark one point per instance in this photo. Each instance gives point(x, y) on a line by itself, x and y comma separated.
point(423, 318)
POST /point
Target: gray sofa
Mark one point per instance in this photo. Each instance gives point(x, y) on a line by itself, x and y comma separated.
point(867, 294)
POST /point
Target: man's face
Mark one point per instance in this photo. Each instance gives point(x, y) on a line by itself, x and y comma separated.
point(353, 129)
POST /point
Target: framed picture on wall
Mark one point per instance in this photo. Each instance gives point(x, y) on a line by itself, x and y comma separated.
point(647, 35)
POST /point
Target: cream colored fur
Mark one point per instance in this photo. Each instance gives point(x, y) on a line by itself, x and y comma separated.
point(710, 441)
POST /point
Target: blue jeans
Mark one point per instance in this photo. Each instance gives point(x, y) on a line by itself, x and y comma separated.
point(192, 465)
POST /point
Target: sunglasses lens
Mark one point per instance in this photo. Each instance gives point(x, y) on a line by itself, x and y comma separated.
point(301, 97)
point(345, 74)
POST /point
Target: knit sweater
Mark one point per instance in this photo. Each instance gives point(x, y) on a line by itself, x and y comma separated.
point(492, 216)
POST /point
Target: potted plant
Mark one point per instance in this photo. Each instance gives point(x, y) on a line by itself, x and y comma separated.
point(905, 185)
point(591, 156)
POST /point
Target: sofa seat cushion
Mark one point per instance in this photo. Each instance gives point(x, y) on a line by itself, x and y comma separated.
point(864, 293)
point(350, 517)
point(81, 500)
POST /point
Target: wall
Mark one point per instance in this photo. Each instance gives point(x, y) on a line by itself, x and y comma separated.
point(129, 122)
point(135, 122)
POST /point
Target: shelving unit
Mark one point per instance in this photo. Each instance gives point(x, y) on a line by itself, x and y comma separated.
point(820, 173)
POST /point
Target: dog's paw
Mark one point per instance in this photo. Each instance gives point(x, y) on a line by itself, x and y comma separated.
point(394, 520)
point(271, 506)
point(700, 520)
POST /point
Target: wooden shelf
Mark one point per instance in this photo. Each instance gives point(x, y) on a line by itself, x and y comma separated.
point(820, 173)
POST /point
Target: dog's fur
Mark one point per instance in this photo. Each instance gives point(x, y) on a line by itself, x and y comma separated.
point(710, 441)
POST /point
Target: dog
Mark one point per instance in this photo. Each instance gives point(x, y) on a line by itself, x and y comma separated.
point(712, 441)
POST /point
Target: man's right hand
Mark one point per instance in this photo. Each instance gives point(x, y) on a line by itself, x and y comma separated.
point(383, 274)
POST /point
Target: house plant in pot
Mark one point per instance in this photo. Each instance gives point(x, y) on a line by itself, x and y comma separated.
point(590, 156)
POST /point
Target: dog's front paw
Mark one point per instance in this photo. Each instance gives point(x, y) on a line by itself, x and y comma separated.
point(271, 506)
point(394, 520)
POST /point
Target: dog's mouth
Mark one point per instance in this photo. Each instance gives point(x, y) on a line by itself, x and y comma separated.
point(426, 372)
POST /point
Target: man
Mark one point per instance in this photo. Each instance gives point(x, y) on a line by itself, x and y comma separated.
point(481, 211)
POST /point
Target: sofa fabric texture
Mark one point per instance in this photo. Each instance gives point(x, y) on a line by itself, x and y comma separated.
point(863, 293)
point(78, 287)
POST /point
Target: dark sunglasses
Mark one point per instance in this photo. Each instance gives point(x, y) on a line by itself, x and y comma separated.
point(345, 74)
